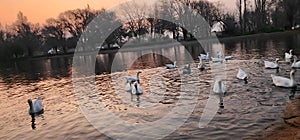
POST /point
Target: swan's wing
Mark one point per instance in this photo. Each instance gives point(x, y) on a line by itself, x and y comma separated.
point(130, 79)
point(214, 59)
point(170, 66)
point(217, 59)
point(128, 87)
point(133, 90)
point(224, 89)
point(38, 105)
point(241, 74)
point(269, 64)
point(139, 89)
point(228, 57)
point(215, 89)
point(280, 81)
point(296, 65)
point(203, 56)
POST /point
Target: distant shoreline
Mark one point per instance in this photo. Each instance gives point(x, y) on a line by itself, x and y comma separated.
point(149, 45)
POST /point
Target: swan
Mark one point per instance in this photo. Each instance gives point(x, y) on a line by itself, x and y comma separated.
point(186, 69)
point(219, 87)
point(133, 79)
point(36, 107)
point(285, 82)
point(201, 65)
point(272, 65)
point(171, 66)
point(136, 88)
point(228, 58)
point(242, 75)
point(289, 56)
point(295, 63)
point(204, 56)
point(216, 59)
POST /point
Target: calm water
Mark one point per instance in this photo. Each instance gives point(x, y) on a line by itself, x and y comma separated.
point(249, 109)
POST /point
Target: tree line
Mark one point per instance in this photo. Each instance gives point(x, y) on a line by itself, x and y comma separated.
point(25, 39)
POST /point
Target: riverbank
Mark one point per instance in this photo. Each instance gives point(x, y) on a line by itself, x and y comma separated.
point(290, 129)
point(164, 43)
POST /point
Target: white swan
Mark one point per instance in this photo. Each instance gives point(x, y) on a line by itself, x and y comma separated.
point(219, 87)
point(136, 88)
point(133, 79)
point(201, 65)
point(171, 66)
point(216, 59)
point(241, 74)
point(285, 82)
point(272, 65)
point(228, 58)
point(36, 107)
point(295, 64)
point(186, 69)
point(128, 87)
point(204, 56)
point(289, 56)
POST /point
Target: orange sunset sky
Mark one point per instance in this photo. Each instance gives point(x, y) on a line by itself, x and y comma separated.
point(37, 11)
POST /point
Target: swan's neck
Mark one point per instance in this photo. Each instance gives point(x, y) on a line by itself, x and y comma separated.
point(135, 86)
point(220, 86)
point(30, 105)
point(138, 75)
point(292, 78)
point(31, 109)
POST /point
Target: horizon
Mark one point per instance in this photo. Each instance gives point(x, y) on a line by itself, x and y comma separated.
point(10, 8)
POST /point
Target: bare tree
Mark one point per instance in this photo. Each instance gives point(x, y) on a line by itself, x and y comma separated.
point(245, 16)
point(261, 13)
point(26, 34)
point(136, 18)
point(292, 10)
point(239, 6)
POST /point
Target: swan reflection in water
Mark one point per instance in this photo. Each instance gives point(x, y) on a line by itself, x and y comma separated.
point(292, 93)
point(138, 101)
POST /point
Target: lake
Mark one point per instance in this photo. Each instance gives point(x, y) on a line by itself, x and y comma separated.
point(250, 109)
